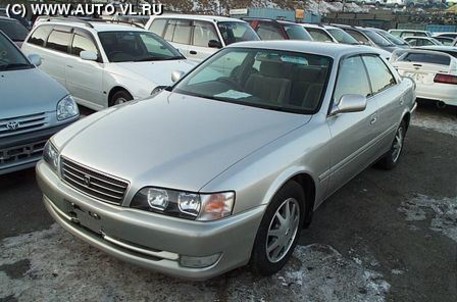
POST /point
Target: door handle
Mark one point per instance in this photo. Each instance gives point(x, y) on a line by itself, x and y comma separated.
point(373, 120)
point(402, 101)
point(193, 52)
point(70, 66)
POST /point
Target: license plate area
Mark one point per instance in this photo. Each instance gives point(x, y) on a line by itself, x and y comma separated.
point(85, 218)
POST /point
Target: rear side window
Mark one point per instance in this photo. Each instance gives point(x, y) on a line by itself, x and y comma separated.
point(40, 35)
point(81, 43)
point(426, 58)
point(59, 40)
point(358, 36)
point(352, 79)
point(268, 31)
point(203, 33)
point(319, 35)
point(380, 76)
point(158, 26)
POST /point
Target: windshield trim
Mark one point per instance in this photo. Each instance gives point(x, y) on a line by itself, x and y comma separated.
point(13, 45)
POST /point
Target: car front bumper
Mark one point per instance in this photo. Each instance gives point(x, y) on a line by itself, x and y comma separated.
point(154, 241)
point(22, 151)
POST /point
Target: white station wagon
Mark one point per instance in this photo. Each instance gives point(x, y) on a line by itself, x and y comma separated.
point(227, 166)
point(104, 64)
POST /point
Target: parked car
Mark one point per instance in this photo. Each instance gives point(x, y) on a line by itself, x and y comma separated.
point(395, 3)
point(451, 35)
point(271, 29)
point(295, 122)
point(13, 29)
point(399, 42)
point(445, 40)
point(32, 108)
point(199, 36)
point(434, 69)
point(403, 33)
point(340, 35)
point(104, 64)
point(422, 41)
point(319, 33)
point(369, 37)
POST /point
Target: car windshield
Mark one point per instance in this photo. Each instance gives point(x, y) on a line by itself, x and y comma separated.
point(136, 46)
point(391, 38)
point(377, 39)
point(297, 32)
point(271, 79)
point(10, 57)
point(233, 32)
point(13, 29)
point(341, 36)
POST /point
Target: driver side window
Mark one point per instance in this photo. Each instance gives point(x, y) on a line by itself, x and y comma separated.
point(352, 79)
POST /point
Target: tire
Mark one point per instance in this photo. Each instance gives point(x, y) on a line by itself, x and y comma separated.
point(391, 158)
point(266, 262)
point(120, 97)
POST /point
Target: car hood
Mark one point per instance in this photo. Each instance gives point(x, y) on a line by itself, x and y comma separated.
point(173, 140)
point(28, 91)
point(158, 72)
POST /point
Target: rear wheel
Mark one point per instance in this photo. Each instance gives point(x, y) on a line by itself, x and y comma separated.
point(390, 159)
point(279, 230)
point(120, 97)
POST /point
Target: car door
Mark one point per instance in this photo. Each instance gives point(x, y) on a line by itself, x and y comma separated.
point(179, 32)
point(389, 98)
point(353, 134)
point(84, 77)
point(203, 33)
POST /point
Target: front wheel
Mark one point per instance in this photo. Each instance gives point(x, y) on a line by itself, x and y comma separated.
point(390, 159)
point(279, 230)
point(120, 97)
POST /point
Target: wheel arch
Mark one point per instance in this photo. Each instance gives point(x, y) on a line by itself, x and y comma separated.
point(114, 90)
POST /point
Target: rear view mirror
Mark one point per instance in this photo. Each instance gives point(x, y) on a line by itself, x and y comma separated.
point(88, 55)
point(35, 59)
point(214, 44)
point(350, 103)
point(177, 75)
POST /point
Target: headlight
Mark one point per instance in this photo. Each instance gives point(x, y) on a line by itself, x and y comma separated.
point(203, 207)
point(51, 155)
point(66, 108)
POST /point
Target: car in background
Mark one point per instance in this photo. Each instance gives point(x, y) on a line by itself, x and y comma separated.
point(395, 3)
point(271, 29)
point(421, 41)
point(446, 41)
point(403, 33)
point(340, 35)
point(451, 35)
point(434, 70)
point(33, 107)
point(367, 36)
point(14, 30)
point(199, 36)
point(319, 32)
point(104, 64)
point(295, 122)
point(399, 42)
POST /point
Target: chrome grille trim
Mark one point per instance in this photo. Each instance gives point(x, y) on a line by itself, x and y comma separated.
point(24, 152)
point(25, 122)
point(93, 183)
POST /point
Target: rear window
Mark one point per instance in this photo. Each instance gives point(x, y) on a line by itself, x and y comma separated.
point(426, 58)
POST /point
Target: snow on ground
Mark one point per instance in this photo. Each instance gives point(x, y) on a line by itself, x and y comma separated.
point(442, 212)
point(52, 265)
point(444, 121)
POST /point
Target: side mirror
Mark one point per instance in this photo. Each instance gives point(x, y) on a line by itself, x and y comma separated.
point(177, 75)
point(88, 55)
point(350, 103)
point(214, 44)
point(35, 59)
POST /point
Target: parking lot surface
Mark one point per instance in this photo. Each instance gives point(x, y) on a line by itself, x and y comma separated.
point(385, 236)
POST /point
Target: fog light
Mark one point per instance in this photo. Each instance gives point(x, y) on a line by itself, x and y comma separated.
point(199, 262)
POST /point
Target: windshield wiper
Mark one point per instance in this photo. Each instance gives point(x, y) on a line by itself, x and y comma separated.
point(11, 66)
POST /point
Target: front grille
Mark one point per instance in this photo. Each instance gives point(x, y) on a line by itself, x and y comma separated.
point(22, 123)
point(95, 184)
point(25, 152)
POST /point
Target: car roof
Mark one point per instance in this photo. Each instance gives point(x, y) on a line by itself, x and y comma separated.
point(211, 18)
point(93, 26)
point(438, 47)
point(333, 50)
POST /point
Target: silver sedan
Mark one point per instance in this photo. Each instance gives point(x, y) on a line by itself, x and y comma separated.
point(227, 166)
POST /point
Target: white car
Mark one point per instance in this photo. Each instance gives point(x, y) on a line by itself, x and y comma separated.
point(199, 36)
point(104, 64)
point(421, 41)
point(434, 69)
